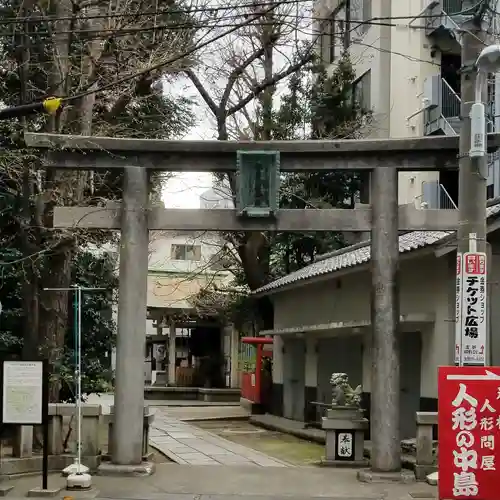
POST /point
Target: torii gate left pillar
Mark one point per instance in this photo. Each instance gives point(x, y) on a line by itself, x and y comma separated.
point(130, 343)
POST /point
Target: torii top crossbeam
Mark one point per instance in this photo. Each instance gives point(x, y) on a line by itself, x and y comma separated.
point(85, 152)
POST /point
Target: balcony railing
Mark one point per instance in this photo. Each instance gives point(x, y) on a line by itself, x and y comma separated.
point(450, 100)
point(434, 195)
point(452, 6)
point(444, 16)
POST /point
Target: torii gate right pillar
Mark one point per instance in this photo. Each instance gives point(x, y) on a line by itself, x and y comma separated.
point(385, 434)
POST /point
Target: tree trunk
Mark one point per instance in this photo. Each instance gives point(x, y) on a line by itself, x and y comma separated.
point(29, 227)
point(54, 310)
point(54, 305)
point(30, 288)
point(57, 268)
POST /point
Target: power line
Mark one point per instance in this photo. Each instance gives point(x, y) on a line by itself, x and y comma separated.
point(373, 20)
point(53, 103)
point(108, 33)
point(16, 20)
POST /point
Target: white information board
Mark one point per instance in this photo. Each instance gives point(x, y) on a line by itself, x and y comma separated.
point(22, 393)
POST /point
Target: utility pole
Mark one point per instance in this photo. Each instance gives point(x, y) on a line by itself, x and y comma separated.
point(473, 171)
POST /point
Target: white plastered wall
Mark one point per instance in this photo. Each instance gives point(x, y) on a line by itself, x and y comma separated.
point(311, 372)
point(399, 59)
point(412, 63)
point(427, 287)
point(277, 359)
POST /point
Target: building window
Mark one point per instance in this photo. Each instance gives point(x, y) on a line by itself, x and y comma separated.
point(360, 12)
point(333, 35)
point(323, 40)
point(186, 252)
point(362, 90)
point(348, 21)
point(339, 36)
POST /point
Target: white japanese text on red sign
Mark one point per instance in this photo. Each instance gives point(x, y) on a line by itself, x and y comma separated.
point(469, 455)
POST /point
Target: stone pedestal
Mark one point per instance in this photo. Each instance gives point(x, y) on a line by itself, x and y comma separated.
point(345, 437)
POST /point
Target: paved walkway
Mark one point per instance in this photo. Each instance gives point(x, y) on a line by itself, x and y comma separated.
point(213, 412)
point(107, 399)
point(185, 444)
point(198, 482)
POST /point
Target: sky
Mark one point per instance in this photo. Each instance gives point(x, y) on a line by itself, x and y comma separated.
point(185, 188)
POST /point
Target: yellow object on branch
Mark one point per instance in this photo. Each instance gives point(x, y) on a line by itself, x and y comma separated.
point(49, 105)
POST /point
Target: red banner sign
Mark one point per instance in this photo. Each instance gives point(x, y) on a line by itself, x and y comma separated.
point(469, 432)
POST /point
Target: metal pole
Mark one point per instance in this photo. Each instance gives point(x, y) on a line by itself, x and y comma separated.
point(132, 308)
point(384, 418)
point(77, 467)
point(473, 172)
point(79, 378)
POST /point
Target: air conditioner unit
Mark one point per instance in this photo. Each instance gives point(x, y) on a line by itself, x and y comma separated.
point(432, 91)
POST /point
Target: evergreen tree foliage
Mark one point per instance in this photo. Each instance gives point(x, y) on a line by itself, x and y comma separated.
point(98, 327)
point(316, 106)
point(101, 51)
point(90, 269)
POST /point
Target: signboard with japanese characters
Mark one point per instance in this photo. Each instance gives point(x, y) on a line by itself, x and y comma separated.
point(345, 446)
point(469, 432)
point(471, 322)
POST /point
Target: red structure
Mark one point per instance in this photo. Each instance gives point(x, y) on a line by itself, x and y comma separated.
point(252, 383)
point(469, 427)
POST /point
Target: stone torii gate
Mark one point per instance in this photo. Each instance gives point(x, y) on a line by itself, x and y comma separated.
point(134, 217)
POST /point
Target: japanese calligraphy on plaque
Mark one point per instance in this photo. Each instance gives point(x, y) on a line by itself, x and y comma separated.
point(471, 308)
point(345, 446)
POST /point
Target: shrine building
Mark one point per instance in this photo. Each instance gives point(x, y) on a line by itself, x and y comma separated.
point(322, 323)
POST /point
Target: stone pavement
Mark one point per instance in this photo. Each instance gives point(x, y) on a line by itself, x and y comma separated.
point(185, 444)
point(198, 482)
point(212, 412)
point(107, 399)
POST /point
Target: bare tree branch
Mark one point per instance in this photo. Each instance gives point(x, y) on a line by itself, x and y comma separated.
point(237, 71)
point(257, 89)
point(204, 94)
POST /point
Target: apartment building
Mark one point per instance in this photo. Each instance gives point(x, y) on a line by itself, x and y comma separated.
point(406, 55)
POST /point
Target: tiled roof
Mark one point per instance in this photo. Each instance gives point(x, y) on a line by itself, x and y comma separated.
point(360, 254)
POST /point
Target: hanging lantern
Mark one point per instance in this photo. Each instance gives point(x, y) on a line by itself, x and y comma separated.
point(258, 183)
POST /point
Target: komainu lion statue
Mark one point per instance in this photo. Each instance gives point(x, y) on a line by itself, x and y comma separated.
point(342, 393)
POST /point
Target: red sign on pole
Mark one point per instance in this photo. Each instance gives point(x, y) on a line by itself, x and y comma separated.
point(469, 432)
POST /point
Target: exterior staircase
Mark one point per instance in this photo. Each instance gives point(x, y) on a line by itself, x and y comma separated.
point(442, 116)
point(442, 102)
point(442, 21)
point(434, 195)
